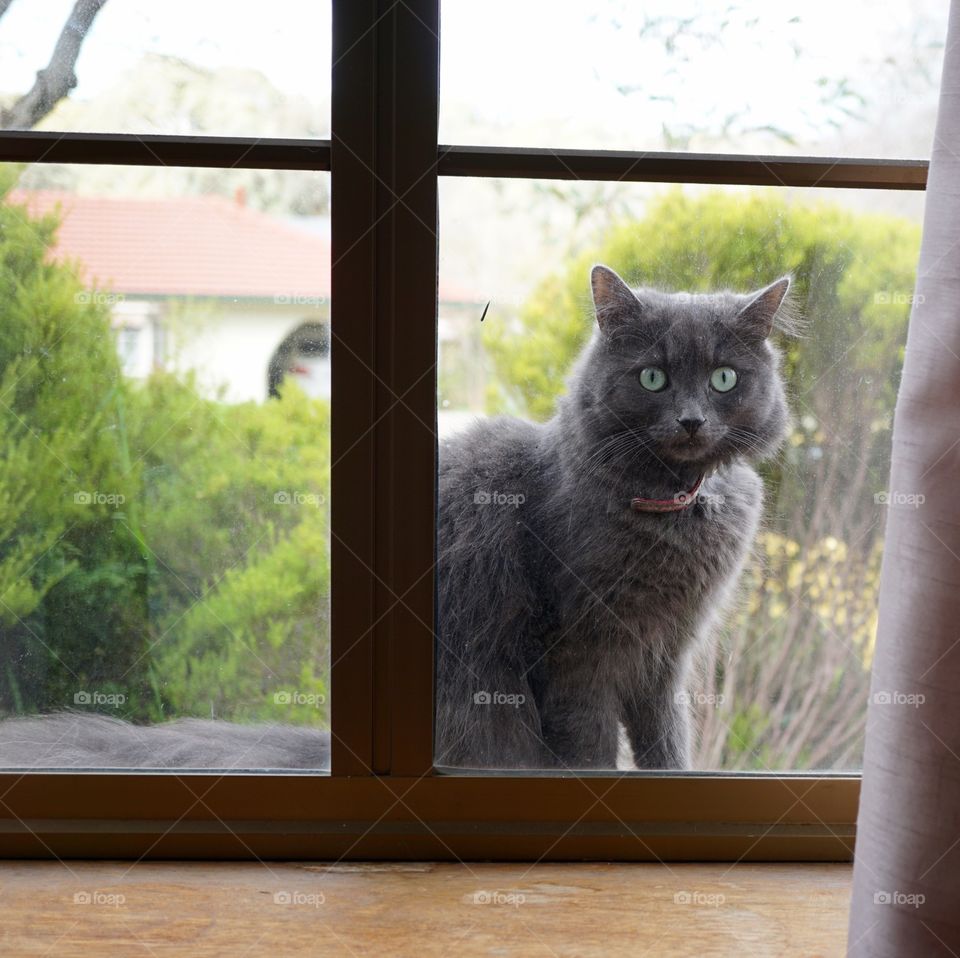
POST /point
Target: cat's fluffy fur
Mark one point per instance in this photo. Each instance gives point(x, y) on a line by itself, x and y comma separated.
point(78, 740)
point(562, 611)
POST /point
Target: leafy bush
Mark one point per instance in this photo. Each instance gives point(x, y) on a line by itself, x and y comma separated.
point(160, 550)
point(237, 519)
point(71, 575)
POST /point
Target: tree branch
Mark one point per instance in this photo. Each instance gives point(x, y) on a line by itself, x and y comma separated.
point(58, 79)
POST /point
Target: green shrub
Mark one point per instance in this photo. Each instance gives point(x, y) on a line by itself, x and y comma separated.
point(71, 576)
point(146, 550)
point(237, 520)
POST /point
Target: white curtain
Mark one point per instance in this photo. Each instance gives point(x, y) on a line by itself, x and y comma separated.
point(906, 889)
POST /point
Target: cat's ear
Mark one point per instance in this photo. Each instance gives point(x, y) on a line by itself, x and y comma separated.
point(758, 315)
point(612, 299)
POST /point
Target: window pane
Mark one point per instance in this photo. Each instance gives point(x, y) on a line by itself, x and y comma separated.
point(173, 67)
point(748, 77)
point(165, 400)
point(564, 604)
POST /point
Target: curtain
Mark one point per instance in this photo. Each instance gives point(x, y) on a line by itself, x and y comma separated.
point(906, 886)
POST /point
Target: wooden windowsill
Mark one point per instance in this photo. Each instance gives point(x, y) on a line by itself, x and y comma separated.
point(240, 909)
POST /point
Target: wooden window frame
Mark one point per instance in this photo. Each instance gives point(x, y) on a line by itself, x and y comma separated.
point(384, 798)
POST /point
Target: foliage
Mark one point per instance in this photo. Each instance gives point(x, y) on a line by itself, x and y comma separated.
point(853, 274)
point(71, 576)
point(237, 519)
point(162, 553)
point(787, 687)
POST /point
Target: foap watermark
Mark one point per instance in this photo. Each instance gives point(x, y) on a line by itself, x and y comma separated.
point(714, 699)
point(896, 297)
point(911, 699)
point(512, 898)
point(690, 298)
point(703, 498)
point(900, 98)
point(911, 899)
point(101, 898)
point(895, 498)
point(110, 699)
point(94, 297)
point(700, 898)
point(297, 498)
point(514, 699)
point(514, 499)
point(84, 498)
point(310, 899)
point(297, 299)
point(313, 699)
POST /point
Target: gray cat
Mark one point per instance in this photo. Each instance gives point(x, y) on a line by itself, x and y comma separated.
point(583, 562)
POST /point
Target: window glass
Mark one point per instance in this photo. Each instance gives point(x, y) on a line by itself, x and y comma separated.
point(851, 79)
point(548, 617)
point(172, 67)
point(164, 392)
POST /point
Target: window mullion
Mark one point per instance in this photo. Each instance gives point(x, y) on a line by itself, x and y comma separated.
point(353, 412)
point(407, 123)
point(384, 157)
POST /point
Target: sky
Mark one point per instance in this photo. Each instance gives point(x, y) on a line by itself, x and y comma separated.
point(571, 73)
point(291, 45)
point(587, 60)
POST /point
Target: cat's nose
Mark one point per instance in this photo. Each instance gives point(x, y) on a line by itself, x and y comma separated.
point(691, 424)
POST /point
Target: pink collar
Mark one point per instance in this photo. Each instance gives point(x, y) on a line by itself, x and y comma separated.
point(681, 501)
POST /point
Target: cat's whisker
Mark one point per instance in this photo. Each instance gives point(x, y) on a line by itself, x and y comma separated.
point(613, 442)
point(608, 451)
point(746, 442)
point(627, 455)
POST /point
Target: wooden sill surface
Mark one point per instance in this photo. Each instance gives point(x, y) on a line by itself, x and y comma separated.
point(245, 909)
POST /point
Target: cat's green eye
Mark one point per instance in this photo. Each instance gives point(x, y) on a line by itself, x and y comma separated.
point(653, 379)
point(723, 379)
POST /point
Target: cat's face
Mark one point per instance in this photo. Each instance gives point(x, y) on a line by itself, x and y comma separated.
point(693, 377)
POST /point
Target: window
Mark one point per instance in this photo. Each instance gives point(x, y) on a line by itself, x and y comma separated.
point(693, 76)
point(785, 683)
point(384, 797)
point(139, 69)
point(173, 581)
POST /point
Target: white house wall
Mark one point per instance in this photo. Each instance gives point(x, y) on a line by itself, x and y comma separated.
point(230, 345)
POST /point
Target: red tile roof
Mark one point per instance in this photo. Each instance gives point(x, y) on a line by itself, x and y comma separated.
point(190, 246)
